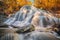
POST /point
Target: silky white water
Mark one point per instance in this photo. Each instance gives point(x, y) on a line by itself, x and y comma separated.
point(29, 15)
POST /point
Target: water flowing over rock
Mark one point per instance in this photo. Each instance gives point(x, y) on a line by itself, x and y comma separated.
point(29, 36)
point(29, 15)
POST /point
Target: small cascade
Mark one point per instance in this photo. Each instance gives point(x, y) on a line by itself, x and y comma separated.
point(29, 15)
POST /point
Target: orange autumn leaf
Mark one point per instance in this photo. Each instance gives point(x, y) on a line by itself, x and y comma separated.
point(48, 4)
point(14, 5)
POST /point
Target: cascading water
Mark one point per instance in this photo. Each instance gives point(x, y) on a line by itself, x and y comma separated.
point(30, 15)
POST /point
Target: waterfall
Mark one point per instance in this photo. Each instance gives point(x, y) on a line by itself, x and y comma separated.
point(40, 19)
point(30, 15)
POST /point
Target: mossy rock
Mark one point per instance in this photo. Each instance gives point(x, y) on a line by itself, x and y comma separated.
point(31, 28)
